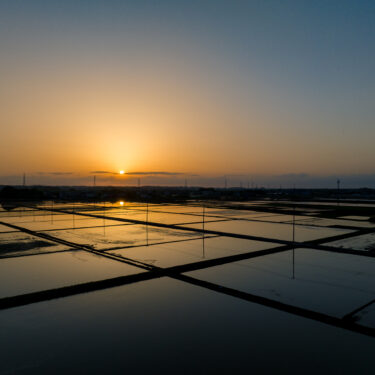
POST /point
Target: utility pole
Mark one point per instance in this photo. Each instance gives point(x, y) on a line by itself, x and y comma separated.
point(294, 232)
point(94, 180)
point(147, 224)
point(293, 238)
point(104, 208)
point(24, 179)
point(203, 213)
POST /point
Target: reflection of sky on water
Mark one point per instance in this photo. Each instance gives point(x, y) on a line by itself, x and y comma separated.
point(172, 326)
point(47, 271)
point(177, 253)
point(271, 230)
point(168, 322)
point(326, 282)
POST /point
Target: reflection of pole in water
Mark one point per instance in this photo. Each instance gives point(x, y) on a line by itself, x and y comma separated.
point(204, 211)
point(203, 220)
point(104, 219)
point(294, 223)
point(294, 231)
point(147, 223)
point(74, 222)
point(203, 248)
point(52, 214)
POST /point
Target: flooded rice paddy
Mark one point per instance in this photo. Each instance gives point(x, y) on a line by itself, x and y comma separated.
point(193, 288)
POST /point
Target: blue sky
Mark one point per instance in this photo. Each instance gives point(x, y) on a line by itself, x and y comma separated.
point(283, 87)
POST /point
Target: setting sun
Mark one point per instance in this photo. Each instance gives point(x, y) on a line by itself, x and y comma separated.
point(122, 172)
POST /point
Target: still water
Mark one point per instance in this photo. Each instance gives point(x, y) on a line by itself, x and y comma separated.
point(165, 325)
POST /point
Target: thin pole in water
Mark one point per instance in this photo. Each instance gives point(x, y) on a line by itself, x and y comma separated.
point(104, 219)
point(147, 223)
point(52, 214)
point(293, 236)
point(74, 216)
point(294, 231)
point(203, 249)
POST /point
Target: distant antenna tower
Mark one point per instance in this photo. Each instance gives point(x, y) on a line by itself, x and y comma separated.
point(24, 179)
point(94, 180)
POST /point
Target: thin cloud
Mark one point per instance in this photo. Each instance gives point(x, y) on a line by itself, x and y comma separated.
point(102, 172)
point(60, 173)
point(145, 173)
point(55, 173)
point(158, 173)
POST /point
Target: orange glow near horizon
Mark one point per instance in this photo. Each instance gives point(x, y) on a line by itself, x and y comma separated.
point(89, 97)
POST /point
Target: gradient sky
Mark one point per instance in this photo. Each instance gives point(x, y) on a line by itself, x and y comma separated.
point(208, 88)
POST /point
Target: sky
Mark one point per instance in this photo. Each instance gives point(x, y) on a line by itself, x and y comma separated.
point(278, 92)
